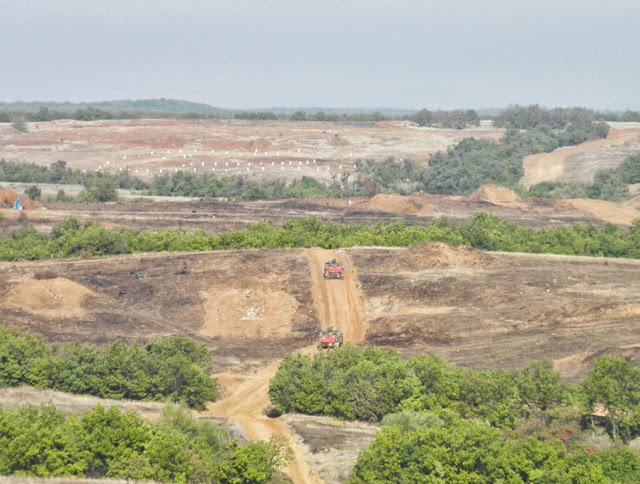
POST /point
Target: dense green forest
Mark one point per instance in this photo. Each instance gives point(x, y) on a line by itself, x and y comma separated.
point(442, 448)
point(454, 424)
point(71, 239)
point(173, 369)
point(109, 443)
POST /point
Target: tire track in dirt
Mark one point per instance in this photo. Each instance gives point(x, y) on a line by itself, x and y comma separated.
point(338, 303)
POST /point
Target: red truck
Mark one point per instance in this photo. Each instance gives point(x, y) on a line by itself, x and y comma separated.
point(333, 270)
point(330, 338)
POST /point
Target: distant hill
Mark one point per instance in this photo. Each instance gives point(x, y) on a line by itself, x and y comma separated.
point(142, 105)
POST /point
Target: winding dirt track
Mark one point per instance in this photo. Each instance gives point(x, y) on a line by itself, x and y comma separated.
point(338, 303)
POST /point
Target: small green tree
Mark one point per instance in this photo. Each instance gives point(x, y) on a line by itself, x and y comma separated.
point(33, 192)
point(614, 386)
point(99, 190)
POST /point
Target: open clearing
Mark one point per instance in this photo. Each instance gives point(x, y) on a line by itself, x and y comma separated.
point(271, 149)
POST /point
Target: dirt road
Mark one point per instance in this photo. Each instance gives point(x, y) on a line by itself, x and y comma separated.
point(246, 405)
point(338, 303)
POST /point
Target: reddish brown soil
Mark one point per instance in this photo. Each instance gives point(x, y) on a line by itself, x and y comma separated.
point(8, 198)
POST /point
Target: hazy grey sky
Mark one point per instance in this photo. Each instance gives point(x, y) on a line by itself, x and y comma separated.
point(333, 53)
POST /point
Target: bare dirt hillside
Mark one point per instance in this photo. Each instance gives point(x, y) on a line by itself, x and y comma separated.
point(500, 310)
point(581, 162)
point(271, 149)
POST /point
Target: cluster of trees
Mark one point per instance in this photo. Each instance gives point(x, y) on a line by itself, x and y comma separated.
point(235, 186)
point(175, 369)
point(441, 447)
point(109, 443)
point(99, 186)
point(473, 163)
point(370, 383)
point(456, 424)
point(456, 119)
point(23, 112)
point(483, 231)
point(609, 184)
point(532, 116)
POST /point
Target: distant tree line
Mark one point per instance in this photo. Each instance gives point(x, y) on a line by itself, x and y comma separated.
point(456, 119)
point(484, 231)
point(19, 118)
point(532, 116)
point(173, 369)
point(108, 443)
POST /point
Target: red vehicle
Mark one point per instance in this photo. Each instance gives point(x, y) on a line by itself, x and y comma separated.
point(330, 338)
point(333, 270)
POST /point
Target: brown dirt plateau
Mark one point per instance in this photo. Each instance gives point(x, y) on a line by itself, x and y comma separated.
point(270, 149)
point(483, 310)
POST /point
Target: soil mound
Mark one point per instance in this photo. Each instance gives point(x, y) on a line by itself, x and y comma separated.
point(338, 140)
point(495, 195)
point(56, 298)
point(247, 313)
point(8, 198)
point(437, 255)
point(396, 204)
point(252, 145)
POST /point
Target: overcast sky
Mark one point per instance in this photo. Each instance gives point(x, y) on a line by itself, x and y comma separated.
point(332, 53)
